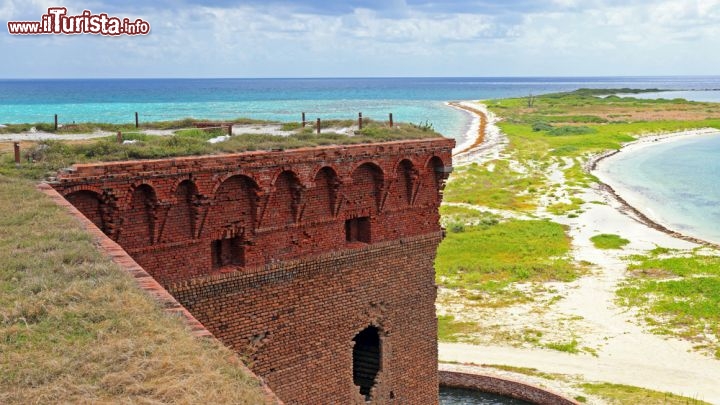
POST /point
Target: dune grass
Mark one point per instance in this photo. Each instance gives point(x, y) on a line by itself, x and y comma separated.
point(74, 328)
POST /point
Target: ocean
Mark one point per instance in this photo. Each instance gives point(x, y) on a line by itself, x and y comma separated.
point(676, 180)
point(416, 100)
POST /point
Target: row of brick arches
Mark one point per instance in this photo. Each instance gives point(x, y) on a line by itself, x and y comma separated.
point(239, 206)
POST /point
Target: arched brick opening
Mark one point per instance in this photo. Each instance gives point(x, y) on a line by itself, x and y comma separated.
point(432, 180)
point(89, 203)
point(231, 220)
point(402, 189)
point(138, 227)
point(365, 191)
point(367, 357)
point(180, 221)
point(322, 198)
point(284, 203)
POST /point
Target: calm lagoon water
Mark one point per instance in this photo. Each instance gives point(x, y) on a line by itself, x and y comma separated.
point(675, 183)
point(457, 396)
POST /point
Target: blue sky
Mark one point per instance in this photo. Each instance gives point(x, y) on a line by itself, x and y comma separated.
point(313, 38)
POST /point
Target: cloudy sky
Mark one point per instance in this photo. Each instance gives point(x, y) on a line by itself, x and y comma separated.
point(358, 38)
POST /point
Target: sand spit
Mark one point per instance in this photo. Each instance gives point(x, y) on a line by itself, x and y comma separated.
point(615, 346)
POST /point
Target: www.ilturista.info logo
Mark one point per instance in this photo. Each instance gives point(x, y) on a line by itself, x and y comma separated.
point(56, 21)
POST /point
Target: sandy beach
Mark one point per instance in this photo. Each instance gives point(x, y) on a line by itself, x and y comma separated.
point(619, 348)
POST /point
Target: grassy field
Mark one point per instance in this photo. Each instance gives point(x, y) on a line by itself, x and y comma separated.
point(677, 295)
point(490, 256)
point(74, 328)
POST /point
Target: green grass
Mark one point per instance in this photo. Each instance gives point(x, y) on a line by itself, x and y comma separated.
point(498, 188)
point(567, 347)
point(625, 394)
point(491, 256)
point(609, 241)
point(75, 328)
point(527, 371)
point(50, 156)
point(89, 127)
point(678, 295)
point(450, 330)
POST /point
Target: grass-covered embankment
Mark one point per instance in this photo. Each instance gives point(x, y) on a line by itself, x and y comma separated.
point(75, 328)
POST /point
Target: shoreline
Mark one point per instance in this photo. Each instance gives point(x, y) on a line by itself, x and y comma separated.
point(475, 137)
point(614, 345)
point(593, 166)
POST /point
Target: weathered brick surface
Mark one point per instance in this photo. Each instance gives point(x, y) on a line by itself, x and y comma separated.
point(503, 386)
point(286, 256)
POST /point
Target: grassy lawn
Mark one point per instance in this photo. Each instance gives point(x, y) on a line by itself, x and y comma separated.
point(74, 328)
point(678, 295)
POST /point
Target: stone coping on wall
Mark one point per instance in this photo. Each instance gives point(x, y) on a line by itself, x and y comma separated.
point(500, 386)
point(146, 282)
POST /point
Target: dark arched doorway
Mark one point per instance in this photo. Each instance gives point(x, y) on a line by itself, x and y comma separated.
point(366, 359)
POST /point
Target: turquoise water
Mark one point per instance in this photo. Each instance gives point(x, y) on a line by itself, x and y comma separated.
point(414, 100)
point(675, 183)
point(457, 396)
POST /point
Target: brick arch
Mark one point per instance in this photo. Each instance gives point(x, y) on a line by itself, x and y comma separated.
point(404, 183)
point(233, 210)
point(364, 194)
point(322, 198)
point(432, 179)
point(284, 204)
point(220, 180)
point(88, 201)
point(82, 187)
point(181, 216)
point(139, 218)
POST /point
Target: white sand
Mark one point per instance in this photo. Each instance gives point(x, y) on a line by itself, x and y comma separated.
point(587, 312)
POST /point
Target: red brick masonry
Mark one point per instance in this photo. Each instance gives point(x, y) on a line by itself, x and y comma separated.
point(504, 387)
point(286, 256)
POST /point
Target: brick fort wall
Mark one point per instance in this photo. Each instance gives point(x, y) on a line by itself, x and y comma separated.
point(316, 263)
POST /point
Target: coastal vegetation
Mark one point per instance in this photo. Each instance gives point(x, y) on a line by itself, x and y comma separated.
point(609, 241)
point(541, 175)
point(678, 294)
point(625, 394)
point(44, 157)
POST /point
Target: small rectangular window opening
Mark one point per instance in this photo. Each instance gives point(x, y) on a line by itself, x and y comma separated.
point(357, 230)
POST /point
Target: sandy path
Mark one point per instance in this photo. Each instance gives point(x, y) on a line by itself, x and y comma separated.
point(625, 352)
